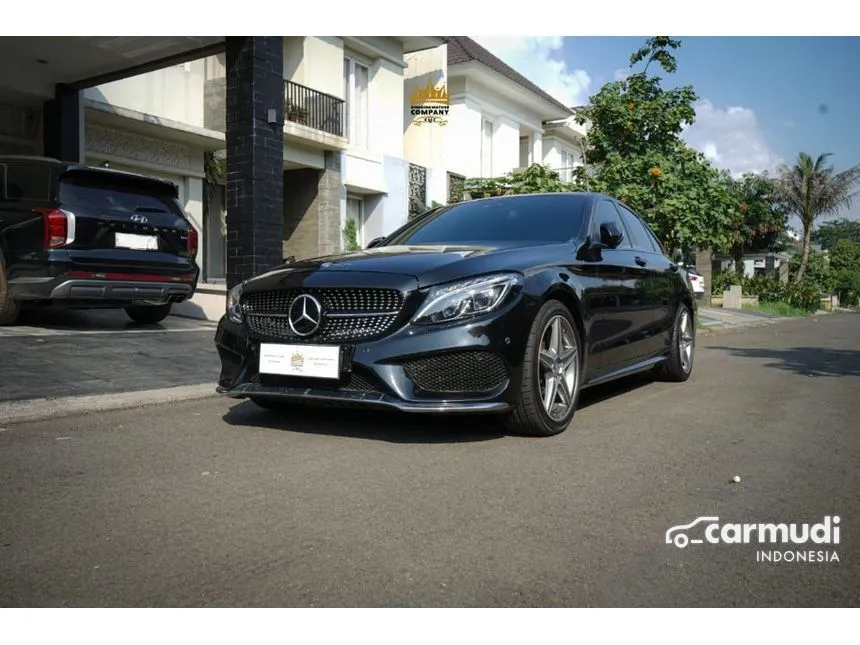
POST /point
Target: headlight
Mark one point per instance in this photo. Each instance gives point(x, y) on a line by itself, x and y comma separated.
point(234, 306)
point(465, 299)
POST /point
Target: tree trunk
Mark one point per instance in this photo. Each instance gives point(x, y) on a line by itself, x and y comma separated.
point(807, 242)
point(738, 259)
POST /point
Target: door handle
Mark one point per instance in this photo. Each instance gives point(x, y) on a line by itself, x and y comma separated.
point(640, 261)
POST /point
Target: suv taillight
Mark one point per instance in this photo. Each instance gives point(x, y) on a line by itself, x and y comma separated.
point(192, 240)
point(59, 227)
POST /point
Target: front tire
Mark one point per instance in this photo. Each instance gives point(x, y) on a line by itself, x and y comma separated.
point(9, 309)
point(552, 373)
point(148, 315)
point(679, 364)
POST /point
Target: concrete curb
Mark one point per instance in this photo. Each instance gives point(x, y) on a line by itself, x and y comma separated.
point(41, 409)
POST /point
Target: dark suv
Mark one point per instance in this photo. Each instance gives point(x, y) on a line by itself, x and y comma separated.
point(90, 237)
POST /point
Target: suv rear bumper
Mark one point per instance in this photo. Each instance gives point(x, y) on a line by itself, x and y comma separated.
point(100, 289)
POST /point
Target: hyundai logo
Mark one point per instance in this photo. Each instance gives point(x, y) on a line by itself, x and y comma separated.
point(140, 219)
point(305, 315)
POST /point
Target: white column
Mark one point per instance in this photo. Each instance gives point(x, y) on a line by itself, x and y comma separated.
point(537, 146)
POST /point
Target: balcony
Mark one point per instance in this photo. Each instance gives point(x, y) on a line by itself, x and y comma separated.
point(313, 110)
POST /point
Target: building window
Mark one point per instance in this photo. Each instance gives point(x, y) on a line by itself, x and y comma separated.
point(355, 213)
point(568, 163)
point(487, 149)
point(356, 84)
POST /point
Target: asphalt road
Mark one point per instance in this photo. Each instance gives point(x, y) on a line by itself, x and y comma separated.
point(216, 503)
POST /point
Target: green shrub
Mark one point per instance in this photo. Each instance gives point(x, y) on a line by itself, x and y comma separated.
point(350, 236)
point(722, 281)
point(767, 289)
point(803, 295)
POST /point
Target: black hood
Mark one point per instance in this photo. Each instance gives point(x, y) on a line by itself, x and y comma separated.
point(422, 266)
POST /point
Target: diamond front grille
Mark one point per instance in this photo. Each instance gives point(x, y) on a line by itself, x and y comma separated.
point(349, 315)
point(458, 372)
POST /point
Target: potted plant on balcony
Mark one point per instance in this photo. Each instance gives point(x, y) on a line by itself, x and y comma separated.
point(295, 113)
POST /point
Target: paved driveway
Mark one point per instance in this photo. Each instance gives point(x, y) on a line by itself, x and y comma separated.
point(55, 353)
point(214, 503)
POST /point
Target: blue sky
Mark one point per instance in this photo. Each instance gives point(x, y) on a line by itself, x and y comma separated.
point(762, 100)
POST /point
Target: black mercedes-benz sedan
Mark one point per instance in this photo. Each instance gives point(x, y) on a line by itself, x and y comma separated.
point(506, 305)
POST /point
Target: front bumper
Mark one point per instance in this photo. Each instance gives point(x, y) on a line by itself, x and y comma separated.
point(470, 367)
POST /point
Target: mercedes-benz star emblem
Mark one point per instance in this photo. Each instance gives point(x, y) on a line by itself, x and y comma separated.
point(140, 219)
point(305, 315)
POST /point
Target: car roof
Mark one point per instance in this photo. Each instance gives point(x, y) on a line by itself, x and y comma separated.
point(64, 166)
point(565, 194)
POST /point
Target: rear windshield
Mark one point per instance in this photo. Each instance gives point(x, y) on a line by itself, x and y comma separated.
point(533, 219)
point(108, 193)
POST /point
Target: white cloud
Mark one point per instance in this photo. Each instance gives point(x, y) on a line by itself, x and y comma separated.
point(621, 74)
point(731, 139)
point(540, 60)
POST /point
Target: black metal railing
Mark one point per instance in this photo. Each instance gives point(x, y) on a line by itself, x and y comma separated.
point(314, 109)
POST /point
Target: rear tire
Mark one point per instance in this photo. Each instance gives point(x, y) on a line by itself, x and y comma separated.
point(148, 315)
point(552, 374)
point(9, 309)
point(679, 364)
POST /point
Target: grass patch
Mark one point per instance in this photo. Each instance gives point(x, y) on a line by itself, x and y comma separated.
point(777, 309)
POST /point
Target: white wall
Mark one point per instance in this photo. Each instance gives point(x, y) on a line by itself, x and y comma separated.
point(424, 144)
point(552, 149)
point(315, 62)
point(174, 93)
point(462, 153)
point(506, 146)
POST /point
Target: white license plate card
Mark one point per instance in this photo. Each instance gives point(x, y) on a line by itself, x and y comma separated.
point(313, 361)
point(136, 242)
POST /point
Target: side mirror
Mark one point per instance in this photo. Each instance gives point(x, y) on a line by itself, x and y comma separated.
point(590, 250)
point(610, 235)
point(375, 242)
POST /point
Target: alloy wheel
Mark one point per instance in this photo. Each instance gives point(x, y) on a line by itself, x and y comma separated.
point(685, 341)
point(558, 367)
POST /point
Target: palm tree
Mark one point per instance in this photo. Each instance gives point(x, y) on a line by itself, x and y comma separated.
point(811, 189)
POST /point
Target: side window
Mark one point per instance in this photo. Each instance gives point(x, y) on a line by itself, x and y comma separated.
point(31, 183)
point(606, 213)
point(640, 237)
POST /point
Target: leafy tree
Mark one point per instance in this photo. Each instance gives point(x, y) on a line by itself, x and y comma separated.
point(635, 153)
point(537, 178)
point(845, 268)
point(757, 221)
point(817, 273)
point(811, 189)
point(829, 233)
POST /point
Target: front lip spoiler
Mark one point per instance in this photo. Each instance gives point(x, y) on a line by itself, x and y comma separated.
point(370, 399)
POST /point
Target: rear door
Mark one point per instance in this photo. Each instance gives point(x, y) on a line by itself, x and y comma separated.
point(125, 220)
point(661, 292)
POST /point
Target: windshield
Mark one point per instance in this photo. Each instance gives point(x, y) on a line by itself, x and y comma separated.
point(528, 219)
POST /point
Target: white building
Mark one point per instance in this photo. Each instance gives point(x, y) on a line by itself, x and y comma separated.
point(498, 121)
point(343, 143)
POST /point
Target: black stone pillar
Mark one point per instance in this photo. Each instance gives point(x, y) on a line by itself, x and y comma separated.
point(63, 125)
point(255, 155)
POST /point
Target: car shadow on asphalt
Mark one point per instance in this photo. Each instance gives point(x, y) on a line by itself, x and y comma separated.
point(57, 318)
point(401, 427)
point(808, 361)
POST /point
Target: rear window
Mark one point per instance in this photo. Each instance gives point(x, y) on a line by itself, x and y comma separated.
point(543, 219)
point(117, 194)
